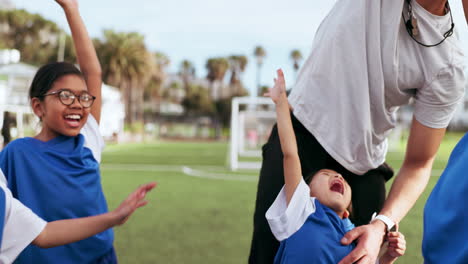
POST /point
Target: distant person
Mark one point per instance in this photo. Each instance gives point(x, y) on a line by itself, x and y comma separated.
point(445, 229)
point(19, 226)
point(6, 134)
point(56, 173)
point(310, 216)
point(369, 57)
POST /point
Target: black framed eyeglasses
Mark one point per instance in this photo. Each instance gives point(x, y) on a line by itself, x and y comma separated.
point(67, 97)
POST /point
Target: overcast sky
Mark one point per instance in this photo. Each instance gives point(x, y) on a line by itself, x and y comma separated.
point(199, 29)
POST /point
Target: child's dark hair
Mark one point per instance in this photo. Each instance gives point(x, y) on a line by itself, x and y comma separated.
point(48, 74)
point(309, 178)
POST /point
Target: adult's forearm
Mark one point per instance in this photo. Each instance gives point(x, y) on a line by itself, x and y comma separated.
point(406, 189)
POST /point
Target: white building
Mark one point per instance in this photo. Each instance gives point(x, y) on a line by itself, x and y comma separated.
point(112, 113)
point(6, 5)
point(15, 79)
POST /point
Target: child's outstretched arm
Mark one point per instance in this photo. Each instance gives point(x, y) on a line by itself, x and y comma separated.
point(291, 161)
point(63, 232)
point(465, 7)
point(85, 53)
point(396, 248)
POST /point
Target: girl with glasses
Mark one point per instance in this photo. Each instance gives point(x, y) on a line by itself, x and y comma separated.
point(56, 173)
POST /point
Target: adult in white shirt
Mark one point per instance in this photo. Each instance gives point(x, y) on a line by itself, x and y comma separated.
point(364, 65)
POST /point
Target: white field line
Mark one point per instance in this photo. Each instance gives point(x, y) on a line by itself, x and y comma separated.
point(206, 172)
point(218, 176)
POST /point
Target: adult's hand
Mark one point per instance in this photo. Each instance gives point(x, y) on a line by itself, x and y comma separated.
point(369, 240)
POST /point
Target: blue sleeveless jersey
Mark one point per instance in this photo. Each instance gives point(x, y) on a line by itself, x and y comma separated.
point(2, 213)
point(58, 179)
point(318, 240)
point(445, 214)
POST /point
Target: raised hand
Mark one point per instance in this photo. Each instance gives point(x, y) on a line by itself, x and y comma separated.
point(67, 3)
point(134, 201)
point(278, 92)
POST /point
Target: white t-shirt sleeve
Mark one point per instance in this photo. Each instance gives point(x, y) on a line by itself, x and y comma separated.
point(93, 137)
point(21, 227)
point(436, 102)
point(285, 220)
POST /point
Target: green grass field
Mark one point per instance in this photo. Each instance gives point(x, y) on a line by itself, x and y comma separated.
point(192, 219)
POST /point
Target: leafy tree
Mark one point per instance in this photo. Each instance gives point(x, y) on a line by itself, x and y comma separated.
point(34, 36)
point(217, 68)
point(198, 101)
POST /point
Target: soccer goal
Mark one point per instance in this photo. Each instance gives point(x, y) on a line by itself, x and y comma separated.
point(251, 121)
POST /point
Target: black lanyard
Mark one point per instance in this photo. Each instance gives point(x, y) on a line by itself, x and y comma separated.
point(412, 26)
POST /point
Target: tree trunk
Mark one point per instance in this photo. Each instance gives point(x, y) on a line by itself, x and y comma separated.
point(126, 86)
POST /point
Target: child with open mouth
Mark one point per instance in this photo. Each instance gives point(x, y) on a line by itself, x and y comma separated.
point(310, 216)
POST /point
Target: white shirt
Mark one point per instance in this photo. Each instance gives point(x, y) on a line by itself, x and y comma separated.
point(363, 66)
point(93, 138)
point(285, 220)
point(21, 227)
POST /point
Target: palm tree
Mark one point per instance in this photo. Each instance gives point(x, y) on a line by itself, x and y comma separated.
point(217, 68)
point(187, 68)
point(237, 64)
point(296, 57)
point(259, 54)
point(126, 63)
point(153, 88)
point(187, 72)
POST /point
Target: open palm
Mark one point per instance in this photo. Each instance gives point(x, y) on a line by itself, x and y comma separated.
point(134, 201)
point(278, 92)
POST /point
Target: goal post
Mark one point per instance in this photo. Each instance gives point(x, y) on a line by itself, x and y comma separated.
point(251, 121)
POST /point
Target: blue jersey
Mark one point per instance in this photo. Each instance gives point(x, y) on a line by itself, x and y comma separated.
point(445, 213)
point(2, 214)
point(318, 240)
point(309, 231)
point(57, 179)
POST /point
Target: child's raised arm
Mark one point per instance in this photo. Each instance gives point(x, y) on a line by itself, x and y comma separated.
point(63, 232)
point(85, 54)
point(291, 162)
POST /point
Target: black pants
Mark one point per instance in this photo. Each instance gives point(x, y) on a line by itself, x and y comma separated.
point(368, 190)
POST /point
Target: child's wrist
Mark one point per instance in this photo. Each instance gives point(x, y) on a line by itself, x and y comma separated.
point(282, 100)
point(114, 218)
point(387, 259)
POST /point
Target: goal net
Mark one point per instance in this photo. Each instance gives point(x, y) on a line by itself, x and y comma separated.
point(251, 121)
